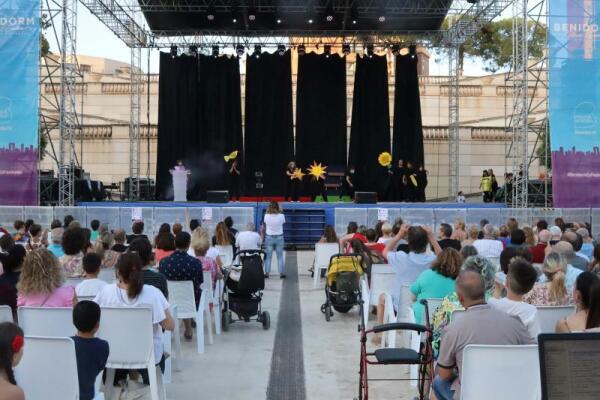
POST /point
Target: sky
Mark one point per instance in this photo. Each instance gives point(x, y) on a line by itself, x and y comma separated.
point(95, 39)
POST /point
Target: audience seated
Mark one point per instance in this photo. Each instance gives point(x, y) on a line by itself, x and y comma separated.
point(41, 282)
point(595, 264)
point(581, 294)
point(506, 257)
point(451, 303)
point(386, 233)
point(249, 239)
point(143, 248)
point(472, 235)
point(459, 231)
point(138, 232)
point(74, 243)
point(55, 246)
point(480, 324)
point(488, 246)
point(228, 221)
point(6, 242)
point(130, 291)
point(587, 245)
point(592, 323)
point(103, 248)
point(468, 251)
point(12, 263)
point(538, 252)
point(11, 352)
point(576, 259)
point(372, 244)
point(91, 352)
point(552, 292)
point(36, 238)
point(95, 226)
point(20, 235)
point(519, 281)
point(445, 233)
point(119, 238)
point(504, 235)
point(165, 246)
point(566, 250)
point(437, 282)
point(180, 266)
point(177, 228)
point(530, 239)
point(351, 233)
point(200, 244)
point(91, 285)
point(223, 236)
point(517, 238)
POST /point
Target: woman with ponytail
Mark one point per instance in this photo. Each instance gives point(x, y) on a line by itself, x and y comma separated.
point(582, 294)
point(553, 292)
point(11, 351)
point(130, 291)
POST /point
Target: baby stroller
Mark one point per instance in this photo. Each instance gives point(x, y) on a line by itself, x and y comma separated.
point(342, 287)
point(244, 283)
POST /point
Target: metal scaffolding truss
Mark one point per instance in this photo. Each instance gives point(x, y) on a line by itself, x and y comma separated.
point(136, 82)
point(119, 21)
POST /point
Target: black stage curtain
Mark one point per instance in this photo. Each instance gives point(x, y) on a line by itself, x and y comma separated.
point(370, 131)
point(269, 135)
point(321, 110)
point(199, 120)
point(408, 130)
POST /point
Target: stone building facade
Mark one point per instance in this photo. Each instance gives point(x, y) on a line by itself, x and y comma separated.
point(103, 147)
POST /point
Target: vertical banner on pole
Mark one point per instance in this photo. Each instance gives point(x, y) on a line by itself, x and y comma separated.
point(574, 102)
point(19, 100)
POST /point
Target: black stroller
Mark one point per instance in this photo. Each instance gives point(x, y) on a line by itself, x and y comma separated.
point(244, 284)
point(342, 290)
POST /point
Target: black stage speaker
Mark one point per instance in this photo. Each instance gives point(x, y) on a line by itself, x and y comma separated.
point(365, 198)
point(217, 196)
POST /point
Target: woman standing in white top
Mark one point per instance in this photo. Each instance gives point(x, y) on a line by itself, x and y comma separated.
point(274, 220)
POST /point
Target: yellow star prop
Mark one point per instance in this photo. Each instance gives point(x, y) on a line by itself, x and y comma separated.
point(231, 156)
point(317, 170)
point(298, 174)
point(385, 159)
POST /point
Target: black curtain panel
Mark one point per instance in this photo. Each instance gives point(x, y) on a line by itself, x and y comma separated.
point(177, 118)
point(370, 131)
point(321, 110)
point(269, 134)
point(408, 130)
point(199, 121)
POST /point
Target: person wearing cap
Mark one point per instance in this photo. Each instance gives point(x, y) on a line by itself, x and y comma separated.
point(587, 247)
point(538, 252)
point(55, 246)
point(577, 260)
point(566, 250)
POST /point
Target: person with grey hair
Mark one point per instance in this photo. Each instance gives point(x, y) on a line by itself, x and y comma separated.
point(468, 251)
point(248, 239)
point(576, 259)
point(119, 237)
point(587, 247)
point(488, 246)
point(480, 324)
point(55, 246)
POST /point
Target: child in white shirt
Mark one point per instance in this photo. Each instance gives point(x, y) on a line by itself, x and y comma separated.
point(91, 285)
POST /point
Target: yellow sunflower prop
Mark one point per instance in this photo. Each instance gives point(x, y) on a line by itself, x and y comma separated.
point(231, 156)
point(298, 174)
point(317, 170)
point(385, 159)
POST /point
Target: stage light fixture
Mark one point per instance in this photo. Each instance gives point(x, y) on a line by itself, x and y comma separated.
point(278, 21)
point(215, 51)
point(346, 48)
point(354, 15)
point(301, 50)
point(281, 49)
point(395, 49)
point(257, 50)
point(235, 15)
point(370, 50)
point(412, 50)
point(173, 51)
point(251, 14)
point(329, 15)
point(327, 50)
point(210, 14)
point(239, 50)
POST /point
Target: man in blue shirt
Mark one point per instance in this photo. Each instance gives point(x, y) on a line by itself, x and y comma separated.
point(180, 266)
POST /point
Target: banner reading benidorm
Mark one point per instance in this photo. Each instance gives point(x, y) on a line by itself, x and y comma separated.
point(19, 100)
point(574, 104)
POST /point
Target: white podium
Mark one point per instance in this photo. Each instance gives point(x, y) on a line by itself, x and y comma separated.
point(180, 184)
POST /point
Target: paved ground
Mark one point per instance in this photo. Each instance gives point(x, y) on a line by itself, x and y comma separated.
point(238, 365)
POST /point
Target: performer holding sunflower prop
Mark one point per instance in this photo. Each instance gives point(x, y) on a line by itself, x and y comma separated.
point(318, 173)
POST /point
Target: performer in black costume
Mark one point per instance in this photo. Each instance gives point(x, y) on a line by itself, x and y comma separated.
point(292, 185)
point(422, 183)
point(389, 191)
point(234, 180)
point(400, 181)
point(316, 188)
point(411, 182)
point(348, 182)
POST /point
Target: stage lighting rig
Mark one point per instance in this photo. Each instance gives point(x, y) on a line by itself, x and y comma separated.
point(301, 50)
point(381, 14)
point(354, 15)
point(251, 14)
point(239, 50)
point(211, 14)
point(327, 50)
point(329, 15)
point(281, 49)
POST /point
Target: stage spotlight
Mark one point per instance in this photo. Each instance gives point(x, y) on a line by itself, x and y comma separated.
point(329, 16)
point(215, 51)
point(281, 49)
point(412, 50)
point(235, 15)
point(346, 49)
point(370, 50)
point(301, 50)
point(210, 14)
point(173, 51)
point(257, 50)
point(395, 49)
point(327, 50)
point(251, 14)
point(239, 50)
point(278, 20)
point(354, 15)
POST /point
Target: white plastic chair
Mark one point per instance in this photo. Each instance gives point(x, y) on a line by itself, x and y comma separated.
point(73, 282)
point(364, 289)
point(6, 314)
point(323, 253)
point(107, 275)
point(225, 254)
point(48, 369)
point(173, 361)
point(129, 333)
point(212, 297)
point(549, 316)
point(181, 293)
point(47, 321)
point(432, 306)
point(89, 298)
point(382, 281)
point(497, 373)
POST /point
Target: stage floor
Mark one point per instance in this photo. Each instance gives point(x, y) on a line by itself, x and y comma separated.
point(291, 205)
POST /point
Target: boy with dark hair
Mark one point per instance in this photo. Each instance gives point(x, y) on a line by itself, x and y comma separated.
point(95, 225)
point(144, 249)
point(519, 281)
point(138, 231)
point(91, 285)
point(91, 352)
point(445, 233)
